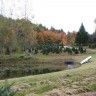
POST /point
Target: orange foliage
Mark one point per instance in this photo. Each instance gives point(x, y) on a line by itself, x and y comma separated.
point(46, 37)
point(73, 36)
point(40, 38)
point(63, 37)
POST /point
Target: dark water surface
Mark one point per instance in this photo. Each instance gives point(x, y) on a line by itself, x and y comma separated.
point(20, 68)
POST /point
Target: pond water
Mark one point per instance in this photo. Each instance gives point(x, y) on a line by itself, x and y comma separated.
point(12, 70)
point(70, 64)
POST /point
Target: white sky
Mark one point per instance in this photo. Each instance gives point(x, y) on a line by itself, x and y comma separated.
point(65, 14)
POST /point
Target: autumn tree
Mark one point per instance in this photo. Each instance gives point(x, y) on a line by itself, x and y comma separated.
point(73, 37)
point(40, 38)
point(1, 27)
point(69, 38)
point(48, 37)
point(63, 37)
point(53, 38)
point(10, 40)
point(2, 36)
point(26, 36)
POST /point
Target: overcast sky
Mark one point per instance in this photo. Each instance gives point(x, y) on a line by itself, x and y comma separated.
point(65, 14)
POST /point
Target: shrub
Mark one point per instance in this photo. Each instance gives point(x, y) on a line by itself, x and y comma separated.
point(89, 45)
point(76, 51)
point(7, 52)
point(84, 50)
point(92, 46)
point(36, 51)
point(69, 50)
point(57, 50)
point(6, 90)
point(64, 50)
point(81, 49)
point(73, 49)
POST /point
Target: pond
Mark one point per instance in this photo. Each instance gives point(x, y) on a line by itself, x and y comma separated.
point(70, 63)
point(13, 68)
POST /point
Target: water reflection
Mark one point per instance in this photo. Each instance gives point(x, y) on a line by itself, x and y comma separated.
point(70, 63)
point(70, 66)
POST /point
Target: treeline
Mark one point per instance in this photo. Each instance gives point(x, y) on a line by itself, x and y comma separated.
point(15, 35)
point(21, 35)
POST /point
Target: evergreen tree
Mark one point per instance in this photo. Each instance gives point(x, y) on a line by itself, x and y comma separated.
point(91, 38)
point(76, 51)
point(81, 49)
point(82, 36)
point(73, 49)
point(69, 51)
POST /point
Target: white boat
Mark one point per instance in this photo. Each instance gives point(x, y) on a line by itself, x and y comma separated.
point(86, 60)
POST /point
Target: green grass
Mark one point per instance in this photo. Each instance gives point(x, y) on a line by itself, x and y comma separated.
point(18, 54)
point(43, 89)
point(41, 57)
point(82, 79)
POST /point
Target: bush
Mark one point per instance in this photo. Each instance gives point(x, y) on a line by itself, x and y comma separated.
point(45, 50)
point(6, 90)
point(73, 49)
point(84, 50)
point(57, 50)
point(69, 50)
point(76, 51)
point(81, 49)
point(92, 46)
point(64, 50)
point(36, 51)
point(7, 52)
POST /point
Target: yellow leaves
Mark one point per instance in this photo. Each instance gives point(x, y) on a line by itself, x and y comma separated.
point(31, 36)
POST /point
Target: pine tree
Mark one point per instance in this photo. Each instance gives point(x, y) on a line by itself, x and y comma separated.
point(76, 51)
point(82, 36)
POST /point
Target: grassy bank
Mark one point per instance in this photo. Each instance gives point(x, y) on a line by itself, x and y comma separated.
point(63, 83)
point(12, 67)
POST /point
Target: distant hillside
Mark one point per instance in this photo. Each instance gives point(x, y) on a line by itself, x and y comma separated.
point(21, 35)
